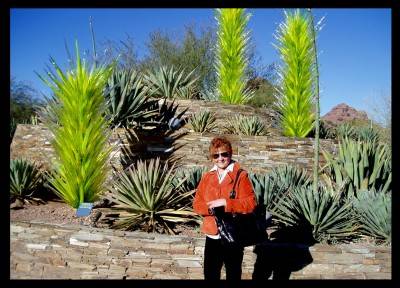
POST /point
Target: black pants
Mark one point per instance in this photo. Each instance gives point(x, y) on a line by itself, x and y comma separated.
point(216, 254)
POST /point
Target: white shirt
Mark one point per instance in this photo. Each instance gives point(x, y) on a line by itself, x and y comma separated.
point(221, 177)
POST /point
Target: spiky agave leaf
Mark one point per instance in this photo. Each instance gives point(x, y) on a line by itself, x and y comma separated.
point(367, 134)
point(345, 130)
point(203, 121)
point(290, 176)
point(168, 82)
point(81, 138)
point(25, 178)
point(373, 210)
point(267, 190)
point(363, 165)
point(149, 197)
point(328, 217)
point(127, 103)
point(246, 125)
point(295, 91)
point(231, 55)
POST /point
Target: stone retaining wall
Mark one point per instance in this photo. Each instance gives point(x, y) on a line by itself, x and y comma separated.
point(42, 251)
point(255, 153)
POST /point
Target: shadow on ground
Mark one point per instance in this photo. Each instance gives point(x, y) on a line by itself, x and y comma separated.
point(278, 257)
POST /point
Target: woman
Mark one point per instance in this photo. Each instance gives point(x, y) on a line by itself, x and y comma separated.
point(213, 191)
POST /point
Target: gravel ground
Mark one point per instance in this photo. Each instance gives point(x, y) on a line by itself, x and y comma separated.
point(57, 212)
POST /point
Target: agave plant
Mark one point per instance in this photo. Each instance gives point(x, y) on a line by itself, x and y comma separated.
point(231, 58)
point(209, 94)
point(328, 218)
point(148, 198)
point(169, 82)
point(81, 138)
point(188, 92)
point(325, 132)
point(191, 177)
point(345, 130)
point(359, 166)
point(373, 209)
point(246, 125)
point(290, 176)
point(295, 91)
point(127, 103)
point(267, 190)
point(167, 113)
point(203, 121)
point(48, 113)
point(25, 180)
point(367, 134)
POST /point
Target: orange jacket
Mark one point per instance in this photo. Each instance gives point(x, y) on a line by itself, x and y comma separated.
point(209, 189)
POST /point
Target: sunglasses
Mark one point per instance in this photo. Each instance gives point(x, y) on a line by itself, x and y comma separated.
point(223, 154)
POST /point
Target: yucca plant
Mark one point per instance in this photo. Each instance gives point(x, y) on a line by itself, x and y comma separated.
point(81, 138)
point(359, 166)
point(295, 89)
point(246, 125)
point(25, 180)
point(321, 212)
point(374, 211)
point(149, 199)
point(127, 103)
point(231, 57)
point(168, 82)
point(203, 121)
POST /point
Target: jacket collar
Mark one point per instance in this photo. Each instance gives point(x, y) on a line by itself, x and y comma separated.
point(229, 178)
point(229, 168)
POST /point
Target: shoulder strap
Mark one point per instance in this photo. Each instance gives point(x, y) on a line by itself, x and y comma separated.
point(233, 192)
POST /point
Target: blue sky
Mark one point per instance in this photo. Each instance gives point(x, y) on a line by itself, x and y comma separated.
point(354, 45)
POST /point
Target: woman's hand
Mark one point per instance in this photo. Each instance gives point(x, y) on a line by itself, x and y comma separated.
point(216, 203)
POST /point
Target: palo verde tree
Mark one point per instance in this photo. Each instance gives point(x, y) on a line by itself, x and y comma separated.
point(80, 135)
point(231, 58)
point(295, 89)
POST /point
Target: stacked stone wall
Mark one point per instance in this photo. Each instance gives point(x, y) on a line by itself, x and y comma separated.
point(43, 251)
point(255, 153)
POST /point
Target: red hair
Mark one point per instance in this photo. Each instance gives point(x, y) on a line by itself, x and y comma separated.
point(220, 142)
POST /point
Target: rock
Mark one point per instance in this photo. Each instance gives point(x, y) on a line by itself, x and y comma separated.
point(17, 204)
point(94, 217)
point(102, 203)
